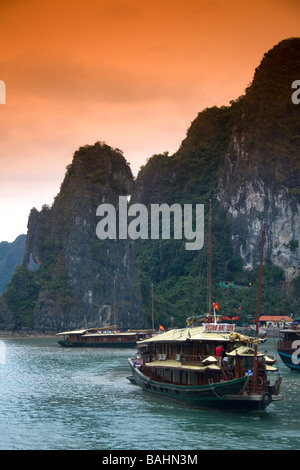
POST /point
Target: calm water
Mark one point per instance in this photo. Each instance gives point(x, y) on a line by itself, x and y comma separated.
point(54, 398)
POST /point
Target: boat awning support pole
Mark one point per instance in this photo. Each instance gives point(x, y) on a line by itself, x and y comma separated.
point(210, 258)
point(255, 365)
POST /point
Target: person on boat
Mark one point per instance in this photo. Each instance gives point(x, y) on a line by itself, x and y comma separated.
point(219, 354)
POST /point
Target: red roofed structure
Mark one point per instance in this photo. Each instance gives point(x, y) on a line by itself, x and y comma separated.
point(278, 321)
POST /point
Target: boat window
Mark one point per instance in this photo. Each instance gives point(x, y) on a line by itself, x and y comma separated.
point(184, 378)
point(167, 375)
point(192, 378)
point(176, 376)
point(248, 362)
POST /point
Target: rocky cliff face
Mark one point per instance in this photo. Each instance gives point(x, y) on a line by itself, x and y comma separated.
point(260, 180)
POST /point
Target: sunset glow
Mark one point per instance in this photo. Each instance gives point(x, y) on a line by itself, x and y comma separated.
point(133, 74)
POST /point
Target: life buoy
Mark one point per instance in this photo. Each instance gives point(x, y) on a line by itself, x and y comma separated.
point(266, 397)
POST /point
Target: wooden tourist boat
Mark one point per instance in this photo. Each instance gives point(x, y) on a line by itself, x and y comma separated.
point(104, 337)
point(185, 365)
point(288, 347)
point(182, 364)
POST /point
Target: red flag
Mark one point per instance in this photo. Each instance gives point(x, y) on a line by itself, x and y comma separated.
point(161, 328)
point(216, 305)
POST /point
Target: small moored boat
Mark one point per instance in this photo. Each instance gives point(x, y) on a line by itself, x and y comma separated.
point(288, 347)
point(101, 337)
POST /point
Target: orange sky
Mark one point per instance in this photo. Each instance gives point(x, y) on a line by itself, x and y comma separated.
point(131, 73)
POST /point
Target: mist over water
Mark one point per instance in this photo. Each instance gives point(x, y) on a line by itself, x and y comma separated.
point(68, 399)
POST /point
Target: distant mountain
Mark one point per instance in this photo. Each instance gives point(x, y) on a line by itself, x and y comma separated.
point(244, 157)
point(11, 254)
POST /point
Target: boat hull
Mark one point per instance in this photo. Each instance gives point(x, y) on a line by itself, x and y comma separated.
point(287, 358)
point(211, 395)
point(222, 395)
point(250, 402)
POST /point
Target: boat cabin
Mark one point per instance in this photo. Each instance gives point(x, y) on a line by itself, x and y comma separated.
point(189, 357)
point(184, 357)
point(108, 336)
point(288, 336)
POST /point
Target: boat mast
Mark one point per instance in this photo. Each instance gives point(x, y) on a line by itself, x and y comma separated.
point(255, 367)
point(260, 276)
point(152, 308)
point(115, 315)
point(209, 258)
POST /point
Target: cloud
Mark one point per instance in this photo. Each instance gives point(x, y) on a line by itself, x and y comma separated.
point(55, 79)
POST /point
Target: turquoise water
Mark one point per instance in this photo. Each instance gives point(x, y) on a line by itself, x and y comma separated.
point(66, 399)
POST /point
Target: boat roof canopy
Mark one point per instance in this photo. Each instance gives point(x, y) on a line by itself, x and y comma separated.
point(81, 332)
point(74, 332)
point(243, 351)
point(186, 334)
point(103, 333)
point(172, 364)
point(247, 351)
